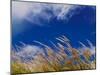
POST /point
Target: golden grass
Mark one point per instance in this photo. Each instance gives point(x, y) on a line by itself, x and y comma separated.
point(56, 61)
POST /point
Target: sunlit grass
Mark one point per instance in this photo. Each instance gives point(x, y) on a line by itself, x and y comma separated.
point(61, 57)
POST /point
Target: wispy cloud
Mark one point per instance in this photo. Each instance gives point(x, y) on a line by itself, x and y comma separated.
point(26, 52)
point(42, 13)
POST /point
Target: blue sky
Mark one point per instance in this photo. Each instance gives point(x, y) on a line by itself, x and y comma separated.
point(44, 22)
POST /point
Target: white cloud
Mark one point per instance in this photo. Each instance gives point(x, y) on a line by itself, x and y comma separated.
point(28, 51)
point(41, 13)
point(20, 9)
point(67, 12)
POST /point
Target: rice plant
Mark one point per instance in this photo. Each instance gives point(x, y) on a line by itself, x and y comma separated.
point(62, 56)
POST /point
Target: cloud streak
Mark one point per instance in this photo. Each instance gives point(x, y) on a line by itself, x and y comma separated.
point(41, 13)
point(26, 53)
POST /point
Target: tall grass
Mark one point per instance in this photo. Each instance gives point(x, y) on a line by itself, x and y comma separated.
point(60, 57)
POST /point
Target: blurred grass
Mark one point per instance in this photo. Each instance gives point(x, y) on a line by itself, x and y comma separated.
point(66, 58)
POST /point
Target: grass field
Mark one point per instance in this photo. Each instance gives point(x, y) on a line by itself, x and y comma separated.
point(60, 57)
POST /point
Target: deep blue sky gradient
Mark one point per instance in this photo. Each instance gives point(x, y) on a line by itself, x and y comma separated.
point(79, 27)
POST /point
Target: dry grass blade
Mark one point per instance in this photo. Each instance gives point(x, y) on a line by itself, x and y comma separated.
point(74, 59)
